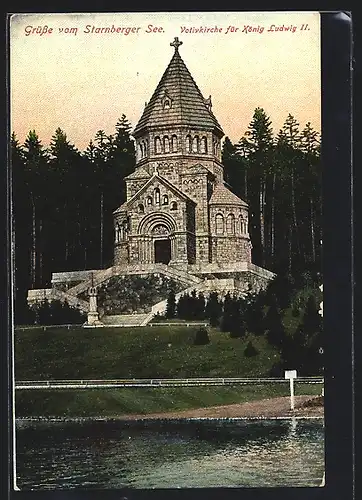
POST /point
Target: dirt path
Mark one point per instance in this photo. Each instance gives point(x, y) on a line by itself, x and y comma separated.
point(307, 406)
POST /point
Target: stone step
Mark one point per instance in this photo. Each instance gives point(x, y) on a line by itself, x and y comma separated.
point(104, 274)
point(98, 278)
point(82, 305)
point(126, 319)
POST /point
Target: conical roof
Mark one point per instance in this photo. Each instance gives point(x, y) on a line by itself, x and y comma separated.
point(177, 100)
point(223, 196)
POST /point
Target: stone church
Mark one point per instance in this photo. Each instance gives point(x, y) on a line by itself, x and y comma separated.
point(180, 223)
point(178, 210)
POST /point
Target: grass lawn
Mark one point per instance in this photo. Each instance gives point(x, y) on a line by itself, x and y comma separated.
point(142, 352)
point(118, 402)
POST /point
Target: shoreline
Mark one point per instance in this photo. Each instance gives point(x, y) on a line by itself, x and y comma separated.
point(306, 407)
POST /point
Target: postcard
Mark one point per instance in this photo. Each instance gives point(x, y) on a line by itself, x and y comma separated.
point(168, 281)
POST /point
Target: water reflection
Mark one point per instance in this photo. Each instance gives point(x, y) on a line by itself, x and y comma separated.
point(170, 454)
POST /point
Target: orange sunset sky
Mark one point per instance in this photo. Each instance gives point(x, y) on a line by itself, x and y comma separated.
point(83, 82)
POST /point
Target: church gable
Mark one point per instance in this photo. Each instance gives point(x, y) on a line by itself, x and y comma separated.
point(158, 192)
point(135, 181)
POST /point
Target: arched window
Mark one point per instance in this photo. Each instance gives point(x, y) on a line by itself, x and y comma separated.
point(174, 144)
point(141, 208)
point(165, 200)
point(173, 205)
point(167, 104)
point(158, 145)
point(241, 224)
point(195, 144)
point(144, 148)
point(166, 144)
point(203, 148)
point(219, 224)
point(140, 152)
point(157, 196)
point(230, 224)
point(188, 144)
point(117, 233)
point(149, 200)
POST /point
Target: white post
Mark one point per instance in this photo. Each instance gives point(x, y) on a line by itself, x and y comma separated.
point(291, 375)
point(291, 384)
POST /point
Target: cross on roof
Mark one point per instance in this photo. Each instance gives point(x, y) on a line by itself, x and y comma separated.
point(176, 43)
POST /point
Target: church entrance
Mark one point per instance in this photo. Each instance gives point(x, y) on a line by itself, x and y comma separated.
point(162, 251)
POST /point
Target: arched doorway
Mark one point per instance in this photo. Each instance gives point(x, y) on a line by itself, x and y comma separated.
point(162, 251)
point(157, 238)
point(162, 244)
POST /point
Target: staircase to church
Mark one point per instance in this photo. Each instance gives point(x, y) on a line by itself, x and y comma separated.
point(80, 304)
point(126, 320)
point(177, 274)
point(188, 280)
point(103, 275)
point(98, 278)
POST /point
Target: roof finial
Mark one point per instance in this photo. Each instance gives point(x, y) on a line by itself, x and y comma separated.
point(176, 43)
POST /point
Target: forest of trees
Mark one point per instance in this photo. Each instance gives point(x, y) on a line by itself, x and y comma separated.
point(63, 199)
point(286, 313)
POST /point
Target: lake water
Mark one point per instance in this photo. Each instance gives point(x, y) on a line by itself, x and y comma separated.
point(167, 454)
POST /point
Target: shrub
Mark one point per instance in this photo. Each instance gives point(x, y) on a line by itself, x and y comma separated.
point(57, 313)
point(250, 350)
point(202, 336)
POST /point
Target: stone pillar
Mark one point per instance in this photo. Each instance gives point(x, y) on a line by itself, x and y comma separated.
point(93, 315)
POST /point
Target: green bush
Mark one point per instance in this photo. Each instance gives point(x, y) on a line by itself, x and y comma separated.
point(250, 350)
point(202, 336)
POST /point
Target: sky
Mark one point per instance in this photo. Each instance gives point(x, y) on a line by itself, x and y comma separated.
point(66, 72)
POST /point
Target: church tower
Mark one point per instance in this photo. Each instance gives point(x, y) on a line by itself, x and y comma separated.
point(178, 210)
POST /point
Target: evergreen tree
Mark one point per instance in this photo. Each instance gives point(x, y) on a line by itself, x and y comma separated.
point(192, 310)
point(36, 180)
point(233, 173)
point(122, 158)
point(213, 309)
point(104, 180)
point(250, 350)
point(21, 236)
point(65, 224)
point(226, 322)
point(200, 306)
point(280, 290)
point(258, 142)
point(303, 350)
point(237, 326)
point(310, 195)
point(202, 336)
point(180, 307)
point(43, 310)
point(171, 305)
point(254, 316)
point(288, 145)
point(275, 330)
